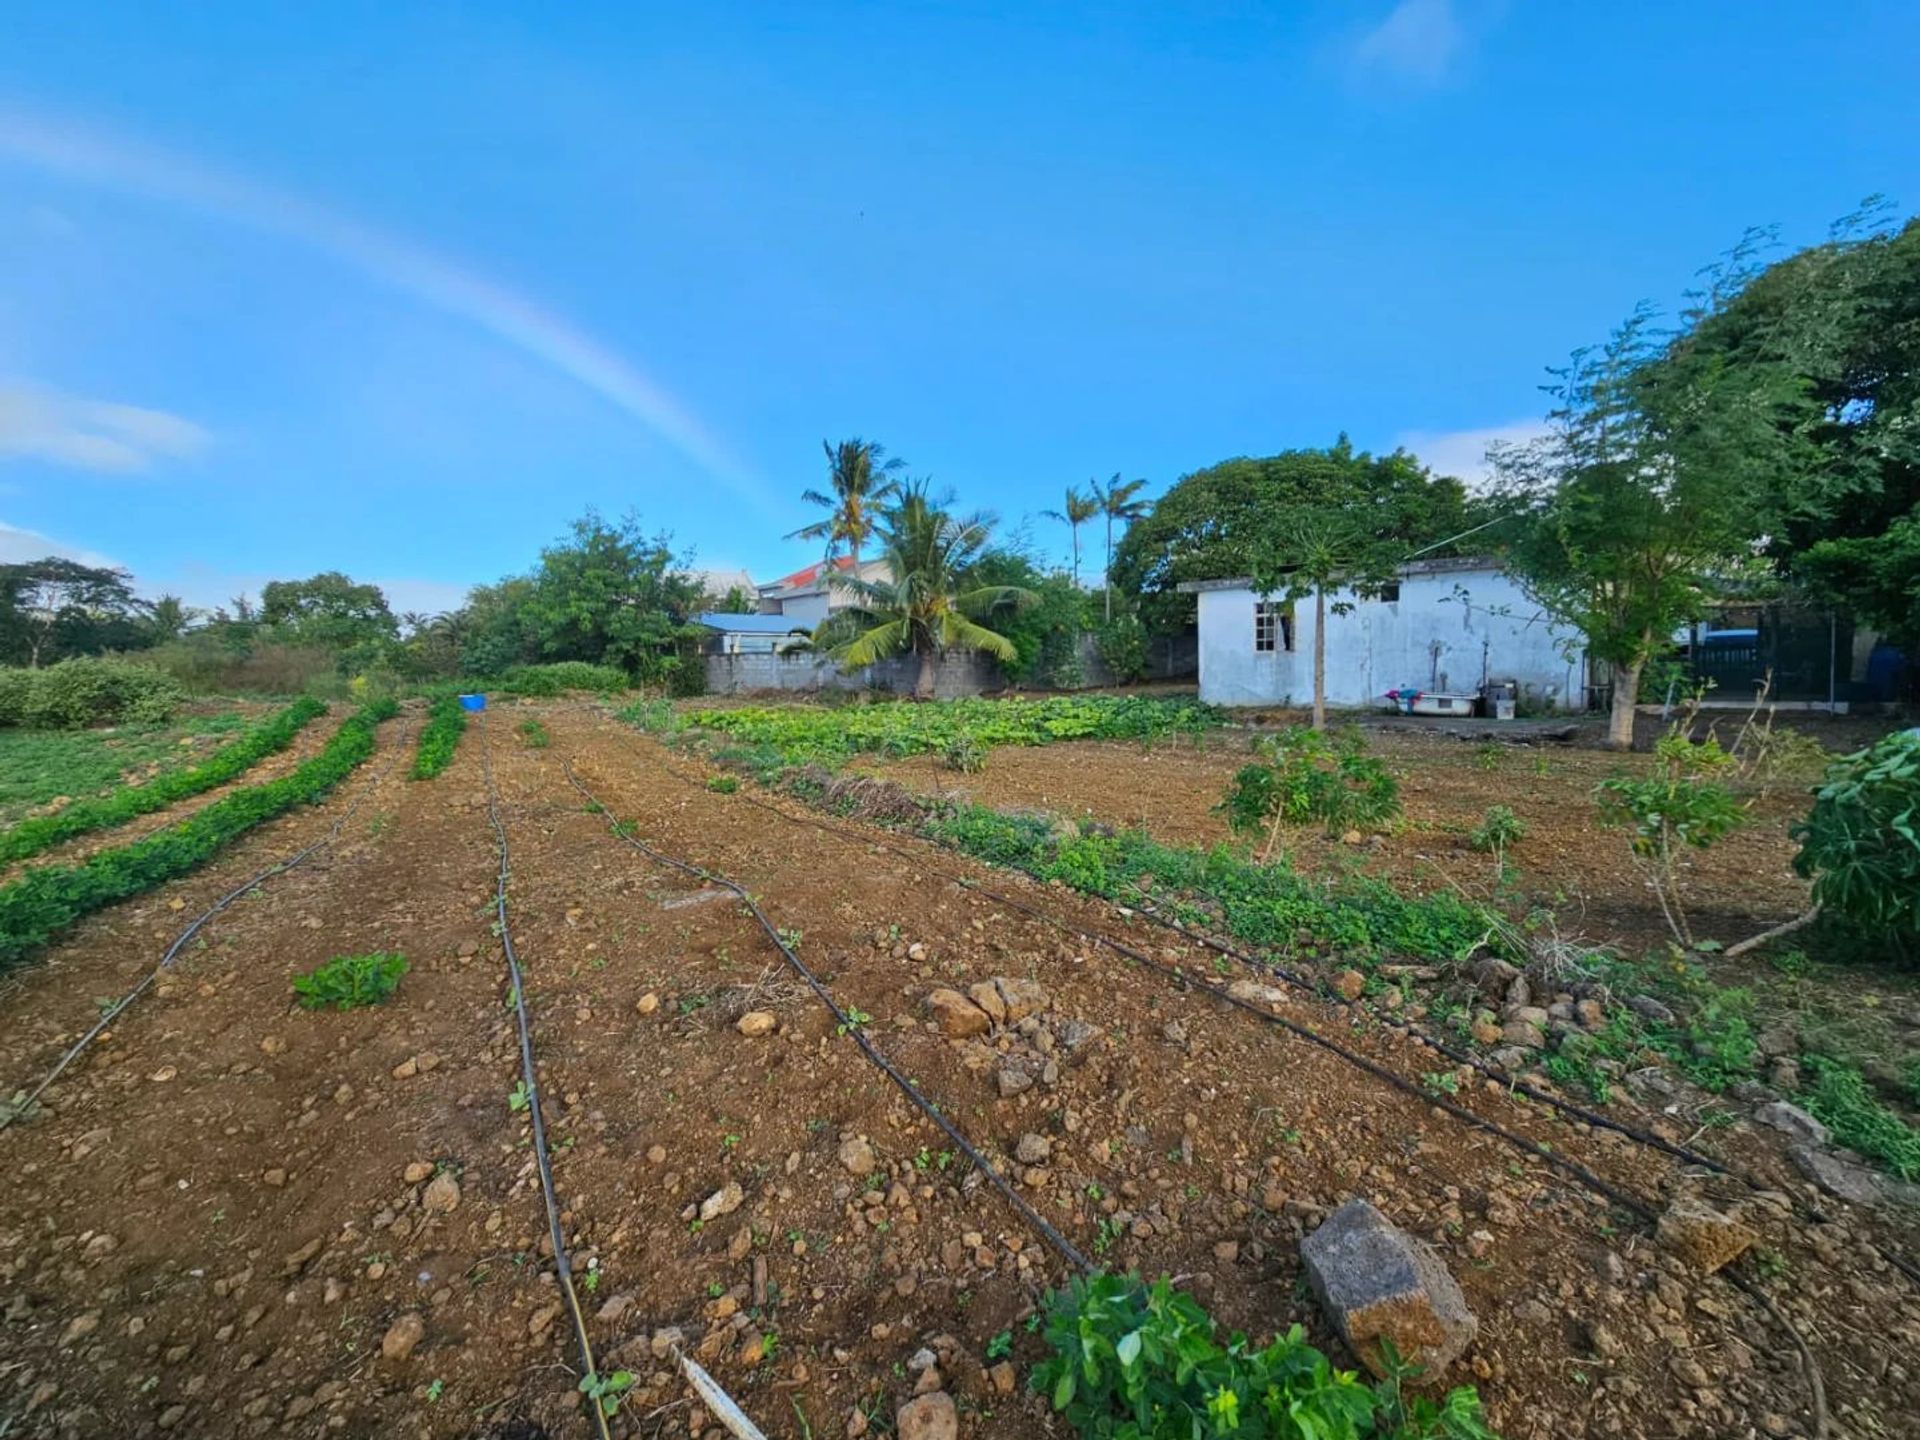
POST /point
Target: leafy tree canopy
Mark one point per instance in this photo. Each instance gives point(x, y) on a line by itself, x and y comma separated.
point(54, 608)
point(609, 594)
point(1223, 521)
point(330, 611)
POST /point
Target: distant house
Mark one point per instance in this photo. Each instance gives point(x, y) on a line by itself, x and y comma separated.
point(808, 596)
point(746, 634)
point(1448, 626)
point(717, 585)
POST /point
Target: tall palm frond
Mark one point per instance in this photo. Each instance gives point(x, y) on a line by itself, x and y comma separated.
point(1080, 508)
point(1118, 502)
point(860, 482)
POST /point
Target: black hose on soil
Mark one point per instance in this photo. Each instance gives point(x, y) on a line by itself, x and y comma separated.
point(1066, 1248)
point(562, 1264)
point(172, 952)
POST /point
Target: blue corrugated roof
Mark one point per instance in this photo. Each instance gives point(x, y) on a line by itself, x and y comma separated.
point(750, 624)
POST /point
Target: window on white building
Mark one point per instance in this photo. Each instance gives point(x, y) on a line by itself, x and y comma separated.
point(1272, 627)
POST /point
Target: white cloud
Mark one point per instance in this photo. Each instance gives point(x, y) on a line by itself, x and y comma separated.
point(1420, 40)
point(1463, 453)
point(38, 423)
point(18, 546)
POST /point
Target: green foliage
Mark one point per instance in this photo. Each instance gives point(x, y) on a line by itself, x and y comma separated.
point(1308, 777)
point(1678, 804)
point(347, 982)
point(54, 608)
point(30, 837)
point(533, 734)
point(965, 754)
point(609, 594)
point(808, 732)
point(722, 784)
point(1220, 521)
point(1499, 831)
point(605, 1391)
point(1123, 647)
point(439, 737)
point(1044, 632)
point(42, 902)
point(544, 681)
point(1139, 1362)
point(37, 766)
point(87, 691)
point(1839, 1098)
point(329, 611)
point(1860, 843)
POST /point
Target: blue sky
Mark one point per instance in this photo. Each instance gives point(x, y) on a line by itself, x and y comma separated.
point(400, 289)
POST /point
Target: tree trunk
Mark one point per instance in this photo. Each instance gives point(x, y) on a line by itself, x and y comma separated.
point(1075, 528)
point(1626, 695)
point(923, 687)
point(1108, 587)
point(1320, 659)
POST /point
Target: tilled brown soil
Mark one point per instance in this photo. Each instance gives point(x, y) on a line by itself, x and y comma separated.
point(211, 1229)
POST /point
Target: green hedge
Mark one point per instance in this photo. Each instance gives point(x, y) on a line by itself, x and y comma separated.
point(30, 837)
point(41, 903)
point(87, 691)
point(439, 737)
point(545, 680)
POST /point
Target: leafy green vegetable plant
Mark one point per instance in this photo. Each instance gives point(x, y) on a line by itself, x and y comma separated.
point(1133, 1361)
point(347, 982)
point(439, 737)
point(42, 902)
point(32, 836)
point(1308, 776)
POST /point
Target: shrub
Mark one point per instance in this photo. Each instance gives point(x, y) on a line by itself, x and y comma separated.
point(965, 754)
point(347, 982)
point(32, 836)
point(1123, 647)
point(1499, 831)
point(439, 737)
point(1306, 777)
point(541, 681)
point(1860, 843)
point(88, 691)
point(1139, 1362)
point(1679, 804)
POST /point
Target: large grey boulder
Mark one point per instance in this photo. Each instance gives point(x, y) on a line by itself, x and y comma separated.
point(1377, 1282)
point(1792, 1121)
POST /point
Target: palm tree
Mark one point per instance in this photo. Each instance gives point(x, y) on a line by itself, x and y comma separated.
point(170, 617)
point(1080, 509)
point(413, 621)
point(860, 481)
point(1117, 502)
point(926, 604)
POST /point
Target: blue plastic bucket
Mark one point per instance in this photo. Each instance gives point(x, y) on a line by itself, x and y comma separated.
point(473, 702)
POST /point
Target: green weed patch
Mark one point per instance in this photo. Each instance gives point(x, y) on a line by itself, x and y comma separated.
point(32, 836)
point(41, 903)
point(347, 982)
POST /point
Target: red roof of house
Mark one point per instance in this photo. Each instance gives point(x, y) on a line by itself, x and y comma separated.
point(802, 578)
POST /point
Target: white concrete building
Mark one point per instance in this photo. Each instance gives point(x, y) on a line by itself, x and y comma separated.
point(1449, 626)
point(808, 596)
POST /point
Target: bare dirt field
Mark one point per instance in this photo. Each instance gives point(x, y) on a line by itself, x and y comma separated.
point(219, 1216)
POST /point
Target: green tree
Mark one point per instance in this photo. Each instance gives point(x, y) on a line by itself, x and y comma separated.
point(168, 618)
point(1080, 508)
point(1118, 500)
point(1645, 500)
point(1213, 523)
point(330, 611)
point(610, 594)
point(860, 482)
point(53, 608)
point(929, 603)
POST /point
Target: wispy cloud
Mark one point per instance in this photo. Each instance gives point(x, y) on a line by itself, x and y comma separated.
point(39, 423)
point(1463, 453)
point(18, 546)
point(1419, 41)
point(86, 156)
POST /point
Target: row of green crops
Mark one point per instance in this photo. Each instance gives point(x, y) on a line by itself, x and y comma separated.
point(270, 737)
point(439, 737)
point(43, 902)
point(1271, 906)
point(806, 732)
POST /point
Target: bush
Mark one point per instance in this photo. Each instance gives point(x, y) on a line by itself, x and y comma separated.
point(1123, 647)
point(1308, 777)
point(205, 666)
point(347, 982)
point(965, 754)
point(87, 691)
point(1860, 843)
point(541, 681)
point(1680, 803)
point(1139, 1362)
point(1499, 831)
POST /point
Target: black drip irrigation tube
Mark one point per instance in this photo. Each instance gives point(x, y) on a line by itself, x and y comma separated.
point(172, 952)
point(1040, 1225)
point(562, 1264)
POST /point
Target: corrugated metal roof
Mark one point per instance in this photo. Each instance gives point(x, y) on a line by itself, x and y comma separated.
point(749, 624)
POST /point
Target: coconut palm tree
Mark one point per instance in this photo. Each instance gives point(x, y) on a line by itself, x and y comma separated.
point(1081, 508)
point(926, 604)
point(859, 483)
point(1117, 502)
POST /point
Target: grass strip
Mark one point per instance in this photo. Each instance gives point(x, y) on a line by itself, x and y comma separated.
point(41, 903)
point(273, 735)
point(439, 737)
